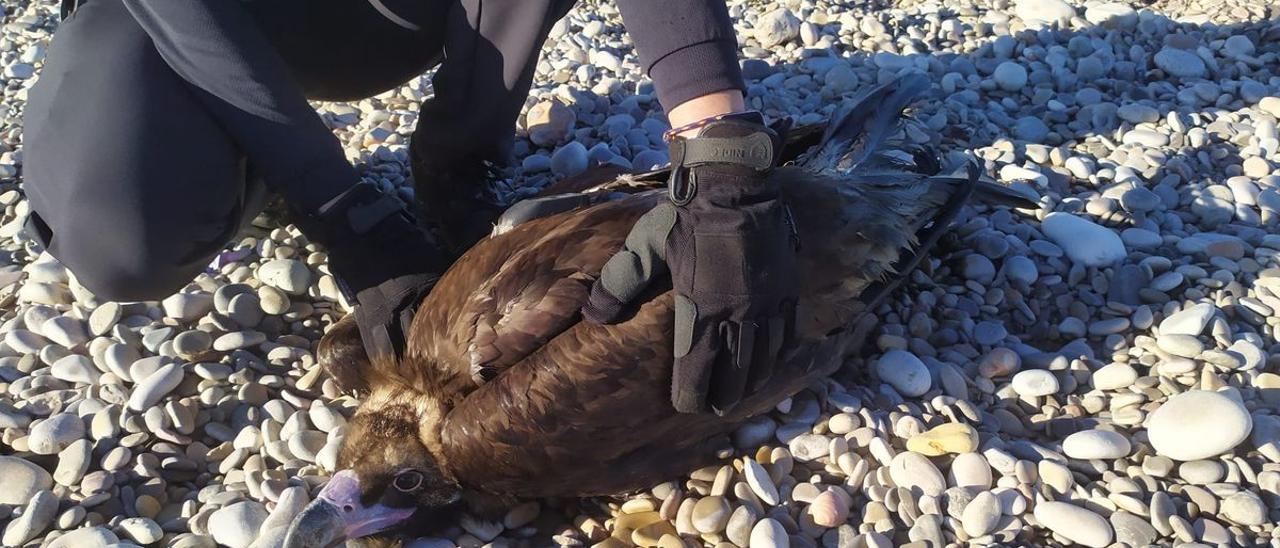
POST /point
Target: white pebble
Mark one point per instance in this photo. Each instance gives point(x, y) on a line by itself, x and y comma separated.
point(1198, 425)
point(1096, 444)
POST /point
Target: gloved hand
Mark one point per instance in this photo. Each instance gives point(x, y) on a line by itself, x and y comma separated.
point(383, 262)
point(729, 244)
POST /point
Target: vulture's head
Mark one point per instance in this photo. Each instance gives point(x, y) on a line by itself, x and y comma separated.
point(389, 476)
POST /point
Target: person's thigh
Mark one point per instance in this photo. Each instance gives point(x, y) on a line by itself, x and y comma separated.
point(350, 49)
point(134, 187)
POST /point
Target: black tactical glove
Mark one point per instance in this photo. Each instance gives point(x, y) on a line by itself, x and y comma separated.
point(730, 246)
point(382, 260)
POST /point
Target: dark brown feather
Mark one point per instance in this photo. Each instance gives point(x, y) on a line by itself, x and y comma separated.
point(584, 409)
point(343, 357)
point(526, 399)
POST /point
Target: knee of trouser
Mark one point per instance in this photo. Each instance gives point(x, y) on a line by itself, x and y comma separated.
point(116, 265)
point(116, 280)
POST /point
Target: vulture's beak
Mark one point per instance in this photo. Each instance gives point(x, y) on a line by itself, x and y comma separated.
point(337, 514)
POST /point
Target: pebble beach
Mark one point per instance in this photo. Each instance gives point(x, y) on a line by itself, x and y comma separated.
point(1101, 371)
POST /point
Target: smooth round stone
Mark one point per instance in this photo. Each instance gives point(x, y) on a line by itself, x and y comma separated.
point(1055, 475)
point(37, 515)
point(988, 333)
point(738, 530)
point(325, 418)
point(73, 462)
point(116, 459)
point(155, 386)
point(13, 418)
point(570, 159)
point(44, 293)
point(239, 339)
point(75, 369)
point(1114, 376)
point(808, 447)
point(66, 331)
point(760, 482)
point(222, 297)
point(245, 309)
point(237, 525)
point(1037, 13)
point(1074, 523)
point(977, 268)
point(1185, 346)
point(273, 301)
point(905, 372)
point(1031, 129)
point(970, 470)
point(87, 537)
point(1010, 76)
point(1245, 508)
point(306, 444)
point(1139, 200)
point(843, 423)
point(1201, 472)
point(1180, 63)
point(190, 343)
point(914, 471)
point(288, 275)
point(829, 508)
point(1133, 530)
point(70, 517)
point(1198, 425)
point(119, 358)
point(768, 533)
point(1034, 383)
point(156, 337)
point(147, 506)
point(187, 307)
point(141, 530)
point(952, 437)
point(1145, 137)
point(999, 362)
point(1141, 238)
point(710, 514)
point(23, 341)
point(981, 515)
point(1096, 444)
point(213, 371)
point(1084, 241)
point(55, 433)
point(1190, 321)
point(34, 317)
point(1021, 269)
point(1111, 15)
point(143, 368)
point(22, 480)
point(1137, 113)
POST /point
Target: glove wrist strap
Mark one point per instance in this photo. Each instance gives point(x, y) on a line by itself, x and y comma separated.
point(741, 143)
point(353, 213)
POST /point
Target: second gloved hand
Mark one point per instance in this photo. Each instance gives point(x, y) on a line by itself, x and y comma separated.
point(727, 240)
point(383, 262)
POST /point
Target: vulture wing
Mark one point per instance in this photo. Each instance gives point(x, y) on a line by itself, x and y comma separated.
point(572, 408)
point(587, 412)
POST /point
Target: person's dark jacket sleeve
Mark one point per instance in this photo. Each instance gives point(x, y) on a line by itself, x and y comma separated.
point(688, 47)
point(216, 47)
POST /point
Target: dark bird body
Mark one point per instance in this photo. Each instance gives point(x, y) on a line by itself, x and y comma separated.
point(513, 395)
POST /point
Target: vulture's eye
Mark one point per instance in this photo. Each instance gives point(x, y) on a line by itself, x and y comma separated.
point(408, 480)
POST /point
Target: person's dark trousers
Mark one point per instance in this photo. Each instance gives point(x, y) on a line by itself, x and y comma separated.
point(135, 181)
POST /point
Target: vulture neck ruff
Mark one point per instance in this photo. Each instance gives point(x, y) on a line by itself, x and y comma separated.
point(423, 405)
